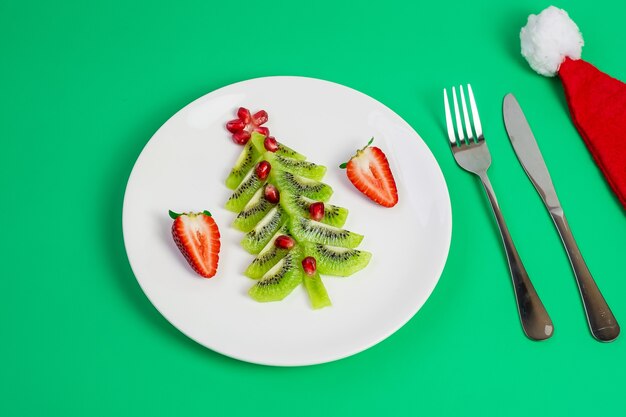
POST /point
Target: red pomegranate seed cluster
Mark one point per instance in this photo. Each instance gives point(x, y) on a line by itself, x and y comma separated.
point(309, 265)
point(263, 169)
point(284, 242)
point(271, 194)
point(246, 123)
point(270, 144)
point(316, 211)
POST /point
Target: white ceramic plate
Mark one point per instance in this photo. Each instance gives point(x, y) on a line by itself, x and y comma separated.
point(183, 168)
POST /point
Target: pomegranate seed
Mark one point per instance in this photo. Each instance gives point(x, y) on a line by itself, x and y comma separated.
point(262, 130)
point(263, 169)
point(244, 115)
point(235, 125)
point(242, 137)
point(270, 144)
point(284, 242)
point(259, 117)
point(316, 210)
point(271, 194)
point(309, 265)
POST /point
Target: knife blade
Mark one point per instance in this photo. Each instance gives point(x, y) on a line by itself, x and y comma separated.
point(600, 319)
point(528, 152)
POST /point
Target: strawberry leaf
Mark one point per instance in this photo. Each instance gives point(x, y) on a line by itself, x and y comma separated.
point(368, 144)
point(344, 165)
point(207, 213)
point(173, 214)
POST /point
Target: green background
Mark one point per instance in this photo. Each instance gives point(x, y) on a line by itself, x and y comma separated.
point(83, 87)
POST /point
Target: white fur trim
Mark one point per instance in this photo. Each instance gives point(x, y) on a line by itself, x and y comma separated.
point(548, 38)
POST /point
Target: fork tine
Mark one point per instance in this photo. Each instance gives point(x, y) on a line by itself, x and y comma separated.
point(446, 105)
point(457, 116)
point(477, 126)
point(468, 126)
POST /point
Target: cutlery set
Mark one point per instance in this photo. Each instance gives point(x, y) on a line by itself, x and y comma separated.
point(472, 154)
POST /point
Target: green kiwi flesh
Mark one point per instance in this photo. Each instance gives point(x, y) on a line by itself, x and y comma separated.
point(316, 290)
point(246, 160)
point(337, 261)
point(308, 230)
point(280, 280)
point(257, 238)
point(295, 166)
point(296, 185)
point(258, 140)
point(268, 257)
point(253, 212)
point(244, 192)
point(298, 205)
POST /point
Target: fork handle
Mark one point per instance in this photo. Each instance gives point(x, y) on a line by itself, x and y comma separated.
point(601, 320)
point(535, 320)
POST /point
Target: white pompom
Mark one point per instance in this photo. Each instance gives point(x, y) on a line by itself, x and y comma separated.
point(548, 38)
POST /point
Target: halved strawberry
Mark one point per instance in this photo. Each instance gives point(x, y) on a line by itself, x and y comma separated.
point(198, 238)
point(369, 171)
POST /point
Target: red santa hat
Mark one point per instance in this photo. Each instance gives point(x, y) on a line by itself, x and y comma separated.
point(552, 45)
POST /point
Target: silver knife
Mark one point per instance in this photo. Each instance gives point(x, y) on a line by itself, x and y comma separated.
point(601, 321)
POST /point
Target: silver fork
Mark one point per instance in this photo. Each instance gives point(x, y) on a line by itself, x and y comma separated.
point(472, 154)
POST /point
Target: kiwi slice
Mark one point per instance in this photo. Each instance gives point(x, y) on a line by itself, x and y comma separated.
point(308, 230)
point(281, 279)
point(295, 166)
point(258, 139)
point(247, 159)
point(296, 185)
point(316, 290)
point(253, 212)
point(332, 260)
point(257, 238)
point(268, 257)
point(285, 150)
point(298, 205)
point(244, 192)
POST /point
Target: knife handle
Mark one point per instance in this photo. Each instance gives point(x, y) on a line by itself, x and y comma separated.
point(535, 320)
point(601, 320)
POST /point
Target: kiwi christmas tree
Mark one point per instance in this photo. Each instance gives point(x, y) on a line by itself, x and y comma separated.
point(282, 207)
